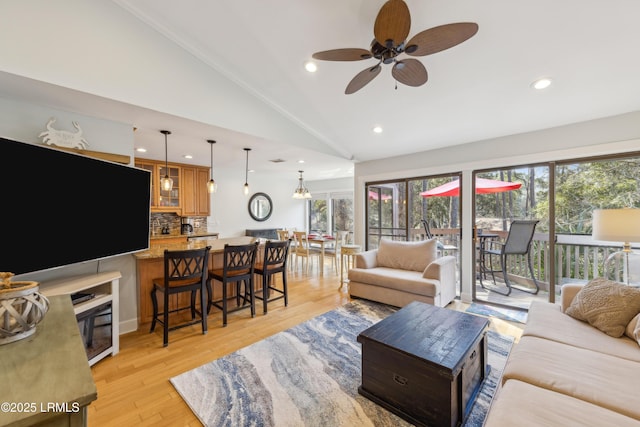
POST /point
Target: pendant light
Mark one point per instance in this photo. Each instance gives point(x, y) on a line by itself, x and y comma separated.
point(212, 186)
point(301, 192)
point(166, 183)
point(246, 173)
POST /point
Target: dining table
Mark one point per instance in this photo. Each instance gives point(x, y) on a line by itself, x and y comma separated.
point(323, 241)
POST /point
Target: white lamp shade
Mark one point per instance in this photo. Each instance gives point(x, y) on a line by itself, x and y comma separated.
point(616, 225)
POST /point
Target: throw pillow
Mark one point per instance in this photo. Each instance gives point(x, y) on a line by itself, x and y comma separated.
point(415, 256)
point(633, 329)
point(606, 305)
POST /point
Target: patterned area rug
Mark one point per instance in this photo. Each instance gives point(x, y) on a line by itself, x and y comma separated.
point(308, 376)
point(519, 316)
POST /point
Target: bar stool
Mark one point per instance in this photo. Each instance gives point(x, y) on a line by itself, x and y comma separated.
point(347, 251)
point(274, 262)
point(184, 271)
point(238, 267)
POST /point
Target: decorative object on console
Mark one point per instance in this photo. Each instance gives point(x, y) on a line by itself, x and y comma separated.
point(166, 183)
point(246, 173)
point(301, 192)
point(63, 138)
point(22, 307)
point(212, 186)
point(390, 40)
point(618, 225)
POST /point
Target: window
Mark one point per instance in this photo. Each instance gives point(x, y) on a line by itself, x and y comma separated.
point(331, 212)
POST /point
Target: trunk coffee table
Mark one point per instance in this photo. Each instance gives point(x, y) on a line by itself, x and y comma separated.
point(425, 364)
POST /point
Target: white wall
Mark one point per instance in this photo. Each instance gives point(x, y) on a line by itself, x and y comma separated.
point(229, 206)
point(23, 122)
point(609, 135)
point(98, 48)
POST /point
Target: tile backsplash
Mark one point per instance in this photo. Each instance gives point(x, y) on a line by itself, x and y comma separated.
point(160, 220)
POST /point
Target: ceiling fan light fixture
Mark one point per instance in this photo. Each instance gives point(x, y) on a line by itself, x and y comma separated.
point(391, 31)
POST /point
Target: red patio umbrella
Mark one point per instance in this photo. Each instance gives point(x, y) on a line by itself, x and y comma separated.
point(483, 186)
point(374, 196)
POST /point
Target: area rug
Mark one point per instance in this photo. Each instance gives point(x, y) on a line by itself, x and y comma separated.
point(308, 376)
point(519, 316)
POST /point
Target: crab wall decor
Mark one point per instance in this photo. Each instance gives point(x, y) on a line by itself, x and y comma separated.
point(63, 138)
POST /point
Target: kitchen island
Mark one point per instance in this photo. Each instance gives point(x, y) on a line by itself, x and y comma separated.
point(150, 265)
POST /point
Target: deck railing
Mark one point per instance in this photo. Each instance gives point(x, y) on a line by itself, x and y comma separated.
point(577, 257)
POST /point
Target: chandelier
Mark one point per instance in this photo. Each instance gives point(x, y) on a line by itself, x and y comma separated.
point(301, 192)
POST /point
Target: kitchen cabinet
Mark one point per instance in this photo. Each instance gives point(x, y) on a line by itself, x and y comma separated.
point(162, 200)
point(196, 201)
point(188, 197)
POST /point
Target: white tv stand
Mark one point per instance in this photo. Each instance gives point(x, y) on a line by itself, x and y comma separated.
point(106, 288)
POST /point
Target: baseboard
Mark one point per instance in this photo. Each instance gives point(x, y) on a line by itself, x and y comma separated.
point(466, 297)
point(128, 326)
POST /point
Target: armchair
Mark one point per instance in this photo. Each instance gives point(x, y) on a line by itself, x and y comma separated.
point(398, 273)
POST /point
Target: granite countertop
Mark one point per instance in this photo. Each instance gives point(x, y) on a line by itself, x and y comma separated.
point(203, 233)
point(217, 245)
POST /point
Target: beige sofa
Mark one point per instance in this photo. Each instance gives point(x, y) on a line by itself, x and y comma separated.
point(566, 372)
point(398, 273)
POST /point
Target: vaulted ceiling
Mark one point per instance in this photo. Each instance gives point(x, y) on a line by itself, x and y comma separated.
point(476, 90)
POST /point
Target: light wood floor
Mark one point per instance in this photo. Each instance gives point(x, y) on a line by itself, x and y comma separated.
point(134, 388)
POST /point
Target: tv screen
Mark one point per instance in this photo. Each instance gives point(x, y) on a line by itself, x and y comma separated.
point(60, 208)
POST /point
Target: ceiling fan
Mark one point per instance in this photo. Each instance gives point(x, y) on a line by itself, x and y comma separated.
point(390, 31)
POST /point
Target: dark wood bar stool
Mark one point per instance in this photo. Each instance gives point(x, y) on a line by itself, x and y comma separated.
point(238, 267)
point(274, 262)
point(184, 271)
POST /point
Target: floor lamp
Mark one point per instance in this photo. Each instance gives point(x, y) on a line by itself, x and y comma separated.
point(618, 225)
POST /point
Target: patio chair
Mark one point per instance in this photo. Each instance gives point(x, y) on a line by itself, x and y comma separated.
point(518, 242)
point(428, 235)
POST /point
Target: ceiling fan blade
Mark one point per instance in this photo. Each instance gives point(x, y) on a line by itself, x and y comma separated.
point(348, 54)
point(439, 38)
point(392, 23)
point(410, 72)
point(362, 78)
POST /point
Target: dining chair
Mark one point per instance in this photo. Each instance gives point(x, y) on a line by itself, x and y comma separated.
point(334, 251)
point(303, 250)
point(238, 267)
point(184, 271)
point(518, 242)
point(273, 262)
point(286, 235)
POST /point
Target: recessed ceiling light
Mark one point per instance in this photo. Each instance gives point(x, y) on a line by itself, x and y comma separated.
point(141, 150)
point(310, 66)
point(377, 129)
point(188, 156)
point(542, 83)
point(300, 161)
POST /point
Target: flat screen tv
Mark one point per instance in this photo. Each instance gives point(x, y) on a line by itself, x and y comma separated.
point(60, 208)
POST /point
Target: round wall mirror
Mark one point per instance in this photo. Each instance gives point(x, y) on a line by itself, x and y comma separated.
point(260, 206)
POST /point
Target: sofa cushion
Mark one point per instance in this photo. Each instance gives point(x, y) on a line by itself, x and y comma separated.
point(546, 320)
point(402, 280)
point(601, 379)
point(633, 329)
point(607, 305)
point(525, 405)
point(415, 256)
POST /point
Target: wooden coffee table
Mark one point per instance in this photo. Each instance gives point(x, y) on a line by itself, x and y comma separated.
point(425, 364)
